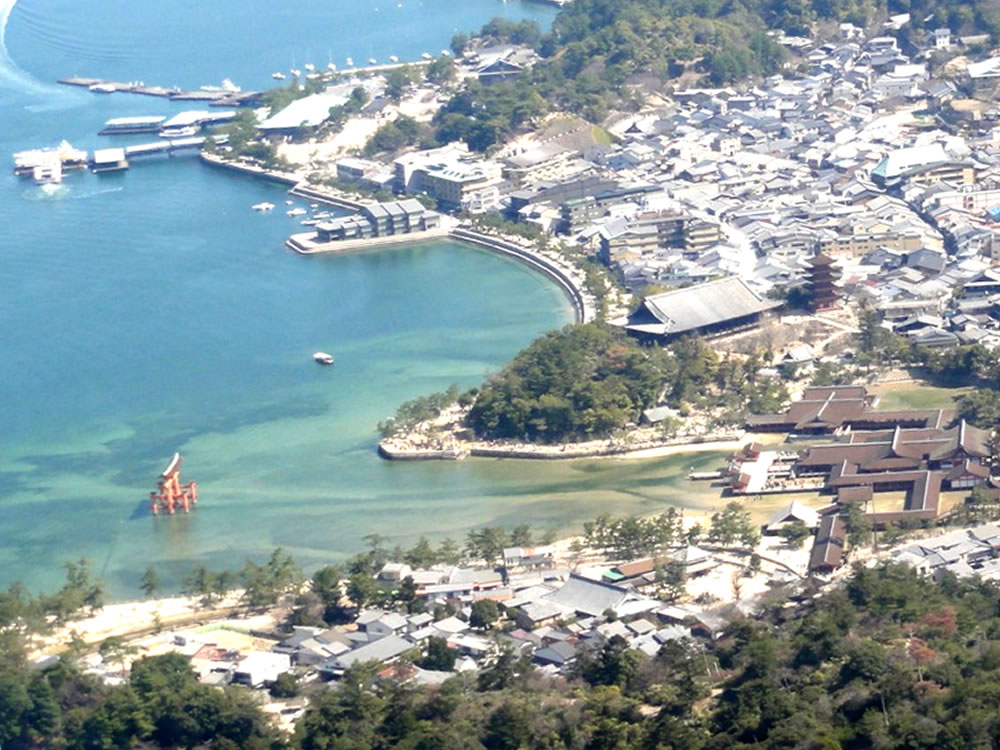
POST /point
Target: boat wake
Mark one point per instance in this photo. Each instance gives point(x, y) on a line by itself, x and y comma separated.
point(11, 76)
point(62, 192)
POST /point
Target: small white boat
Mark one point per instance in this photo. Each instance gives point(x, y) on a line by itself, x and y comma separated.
point(427, 55)
point(331, 67)
point(372, 61)
point(323, 358)
point(350, 62)
point(278, 75)
point(181, 131)
point(265, 206)
point(296, 212)
point(103, 88)
point(393, 59)
point(289, 203)
point(445, 53)
point(295, 72)
point(310, 67)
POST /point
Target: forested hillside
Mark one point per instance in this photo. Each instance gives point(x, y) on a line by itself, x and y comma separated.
point(598, 49)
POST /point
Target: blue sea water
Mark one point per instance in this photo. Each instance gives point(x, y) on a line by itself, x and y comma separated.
point(152, 311)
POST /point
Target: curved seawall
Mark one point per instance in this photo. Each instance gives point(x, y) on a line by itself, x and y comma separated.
point(583, 308)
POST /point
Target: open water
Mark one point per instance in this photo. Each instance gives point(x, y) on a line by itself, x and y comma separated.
point(153, 311)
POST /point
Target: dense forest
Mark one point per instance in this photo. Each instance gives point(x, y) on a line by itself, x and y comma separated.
point(888, 660)
point(586, 381)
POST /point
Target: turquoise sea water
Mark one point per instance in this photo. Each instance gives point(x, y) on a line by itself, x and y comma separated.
point(153, 311)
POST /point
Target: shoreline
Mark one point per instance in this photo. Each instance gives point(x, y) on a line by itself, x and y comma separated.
point(569, 279)
point(390, 451)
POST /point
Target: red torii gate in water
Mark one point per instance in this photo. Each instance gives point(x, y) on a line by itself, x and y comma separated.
point(170, 495)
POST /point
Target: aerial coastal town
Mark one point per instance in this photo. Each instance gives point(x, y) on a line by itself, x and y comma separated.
point(797, 275)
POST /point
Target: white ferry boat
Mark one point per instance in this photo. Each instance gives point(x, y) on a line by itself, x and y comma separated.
point(126, 125)
point(323, 358)
point(67, 156)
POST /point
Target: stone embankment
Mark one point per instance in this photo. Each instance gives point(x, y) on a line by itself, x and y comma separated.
point(412, 449)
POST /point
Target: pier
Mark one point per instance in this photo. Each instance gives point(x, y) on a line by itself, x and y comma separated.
point(117, 159)
point(213, 98)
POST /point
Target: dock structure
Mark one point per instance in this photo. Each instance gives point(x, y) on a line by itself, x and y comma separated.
point(117, 159)
point(213, 98)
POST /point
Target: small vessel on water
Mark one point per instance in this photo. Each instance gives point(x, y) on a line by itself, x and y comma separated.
point(332, 67)
point(427, 55)
point(323, 358)
point(295, 72)
point(310, 67)
point(445, 53)
point(278, 75)
point(265, 206)
point(393, 59)
point(372, 61)
point(296, 212)
point(103, 88)
point(128, 125)
point(67, 156)
point(350, 62)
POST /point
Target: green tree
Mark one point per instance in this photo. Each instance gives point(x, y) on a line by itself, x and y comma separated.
point(116, 649)
point(484, 613)
point(361, 589)
point(151, 585)
point(795, 534)
point(285, 686)
point(440, 656)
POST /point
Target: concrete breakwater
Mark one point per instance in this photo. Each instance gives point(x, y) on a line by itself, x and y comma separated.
point(301, 244)
point(571, 281)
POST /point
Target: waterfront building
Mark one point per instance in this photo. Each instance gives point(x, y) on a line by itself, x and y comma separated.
point(379, 220)
point(308, 112)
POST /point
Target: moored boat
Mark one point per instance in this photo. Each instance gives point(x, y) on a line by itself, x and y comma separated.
point(265, 206)
point(323, 358)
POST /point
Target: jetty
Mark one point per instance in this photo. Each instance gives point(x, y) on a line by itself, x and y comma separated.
point(213, 98)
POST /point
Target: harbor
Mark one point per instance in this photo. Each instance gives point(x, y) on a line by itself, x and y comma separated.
point(215, 96)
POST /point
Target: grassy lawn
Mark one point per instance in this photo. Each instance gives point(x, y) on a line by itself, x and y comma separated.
point(895, 396)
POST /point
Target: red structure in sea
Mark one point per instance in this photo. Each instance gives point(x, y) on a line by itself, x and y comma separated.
point(170, 495)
